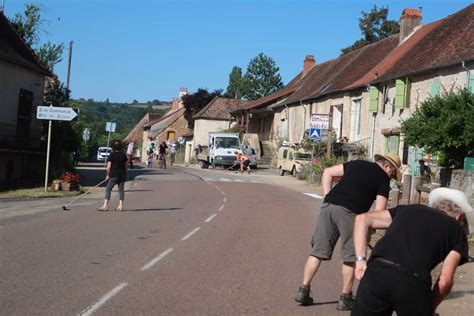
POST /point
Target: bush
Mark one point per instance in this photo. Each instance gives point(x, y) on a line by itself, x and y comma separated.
point(323, 162)
point(70, 177)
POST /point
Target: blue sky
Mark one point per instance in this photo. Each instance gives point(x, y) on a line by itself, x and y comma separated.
point(148, 49)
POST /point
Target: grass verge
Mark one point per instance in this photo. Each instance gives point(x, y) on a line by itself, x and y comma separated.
point(35, 193)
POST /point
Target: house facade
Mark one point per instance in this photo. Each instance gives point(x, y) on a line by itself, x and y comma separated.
point(22, 82)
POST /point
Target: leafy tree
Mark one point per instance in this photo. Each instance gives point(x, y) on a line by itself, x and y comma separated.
point(444, 125)
point(262, 77)
point(29, 26)
point(135, 101)
point(235, 89)
point(193, 103)
point(374, 26)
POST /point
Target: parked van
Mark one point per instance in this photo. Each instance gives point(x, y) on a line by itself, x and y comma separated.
point(291, 160)
point(103, 153)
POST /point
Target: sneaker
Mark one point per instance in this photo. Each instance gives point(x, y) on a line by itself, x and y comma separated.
point(345, 303)
point(303, 297)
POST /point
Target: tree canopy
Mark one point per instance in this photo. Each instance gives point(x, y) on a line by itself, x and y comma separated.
point(444, 125)
point(235, 89)
point(261, 78)
point(374, 26)
point(194, 102)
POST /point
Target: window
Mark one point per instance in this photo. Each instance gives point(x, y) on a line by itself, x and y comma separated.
point(435, 88)
point(23, 121)
point(291, 155)
point(355, 115)
point(374, 99)
point(171, 136)
point(391, 143)
point(285, 153)
point(402, 93)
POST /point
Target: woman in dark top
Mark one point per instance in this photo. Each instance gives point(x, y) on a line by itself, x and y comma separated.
point(116, 174)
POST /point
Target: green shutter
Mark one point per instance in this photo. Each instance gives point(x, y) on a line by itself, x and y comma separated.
point(471, 83)
point(435, 88)
point(400, 89)
point(407, 92)
point(374, 99)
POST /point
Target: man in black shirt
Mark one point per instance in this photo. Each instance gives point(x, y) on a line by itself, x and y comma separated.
point(362, 183)
point(417, 239)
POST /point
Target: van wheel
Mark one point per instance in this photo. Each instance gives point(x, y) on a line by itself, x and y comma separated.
point(203, 164)
point(281, 172)
point(293, 171)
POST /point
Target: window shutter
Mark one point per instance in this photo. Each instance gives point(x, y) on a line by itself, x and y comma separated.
point(407, 92)
point(471, 83)
point(374, 99)
point(435, 88)
point(400, 94)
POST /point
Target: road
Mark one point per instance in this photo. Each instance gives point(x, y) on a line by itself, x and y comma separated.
point(199, 242)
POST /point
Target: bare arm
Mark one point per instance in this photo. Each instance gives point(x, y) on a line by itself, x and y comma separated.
point(363, 222)
point(381, 203)
point(109, 167)
point(329, 174)
point(446, 279)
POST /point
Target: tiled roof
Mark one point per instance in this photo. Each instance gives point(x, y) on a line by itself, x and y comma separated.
point(446, 42)
point(14, 49)
point(136, 133)
point(165, 121)
point(220, 108)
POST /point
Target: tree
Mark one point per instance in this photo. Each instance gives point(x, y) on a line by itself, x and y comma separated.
point(262, 77)
point(193, 103)
point(135, 101)
point(235, 89)
point(374, 26)
point(29, 26)
point(444, 125)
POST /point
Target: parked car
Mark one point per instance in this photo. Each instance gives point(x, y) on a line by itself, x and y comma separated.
point(291, 160)
point(103, 153)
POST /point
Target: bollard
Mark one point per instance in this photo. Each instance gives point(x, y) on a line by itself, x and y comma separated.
point(415, 194)
point(406, 189)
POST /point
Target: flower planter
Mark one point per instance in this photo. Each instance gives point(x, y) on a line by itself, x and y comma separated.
point(66, 186)
point(56, 185)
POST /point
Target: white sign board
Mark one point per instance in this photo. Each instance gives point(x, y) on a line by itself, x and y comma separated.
point(110, 127)
point(86, 134)
point(53, 113)
point(319, 121)
point(181, 140)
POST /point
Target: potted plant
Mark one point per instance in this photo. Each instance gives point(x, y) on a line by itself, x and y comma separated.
point(70, 181)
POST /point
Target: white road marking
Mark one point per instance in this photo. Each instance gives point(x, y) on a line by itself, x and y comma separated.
point(221, 208)
point(195, 230)
point(223, 193)
point(314, 195)
point(225, 199)
point(91, 309)
point(154, 261)
point(210, 218)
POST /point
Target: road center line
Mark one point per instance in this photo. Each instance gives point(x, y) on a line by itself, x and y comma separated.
point(221, 208)
point(195, 230)
point(314, 195)
point(210, 218)
point(154, 261)
point(88, 311)
point(225, 199)
point(223, 193)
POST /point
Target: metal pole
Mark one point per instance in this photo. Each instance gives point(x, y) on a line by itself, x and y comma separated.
point(47, 157)
point(329, 145)
point(108, 140)
point(69, 68)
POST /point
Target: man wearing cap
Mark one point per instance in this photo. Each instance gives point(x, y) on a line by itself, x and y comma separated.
point(362, 183)
point(397, 276)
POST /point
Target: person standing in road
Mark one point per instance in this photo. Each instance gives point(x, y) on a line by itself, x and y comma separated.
point(172, 153)
point(150, 155)
point(162, 155)
point(361, 182)
point(397, 276)
point(130, 149)
point(116, 175)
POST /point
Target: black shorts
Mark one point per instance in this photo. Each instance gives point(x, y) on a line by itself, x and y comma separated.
point(246, 163)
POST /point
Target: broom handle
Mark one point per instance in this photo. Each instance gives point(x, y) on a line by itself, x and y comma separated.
point(87, 192)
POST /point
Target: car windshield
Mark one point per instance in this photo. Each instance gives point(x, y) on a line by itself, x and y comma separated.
point(105, 150)
point(227, 142)
point(303, 156)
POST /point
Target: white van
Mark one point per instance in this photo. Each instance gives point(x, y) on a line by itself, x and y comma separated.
point(103, 153)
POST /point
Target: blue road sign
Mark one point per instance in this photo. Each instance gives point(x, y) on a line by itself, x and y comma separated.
point(315, 133)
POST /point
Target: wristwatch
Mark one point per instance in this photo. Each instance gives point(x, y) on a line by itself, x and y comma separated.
point(361, 258)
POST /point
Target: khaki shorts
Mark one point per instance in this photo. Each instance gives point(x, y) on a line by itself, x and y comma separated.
point(334, 221)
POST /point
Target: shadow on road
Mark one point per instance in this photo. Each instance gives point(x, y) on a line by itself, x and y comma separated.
point(324, 303)
point(153, 209)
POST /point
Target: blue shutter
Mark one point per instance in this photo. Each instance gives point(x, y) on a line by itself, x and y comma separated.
point(435, 88)
point(471, 83)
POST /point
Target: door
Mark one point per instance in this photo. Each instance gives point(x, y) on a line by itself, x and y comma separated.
point(171, 136)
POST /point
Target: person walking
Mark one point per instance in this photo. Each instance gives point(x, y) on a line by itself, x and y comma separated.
point(361, 182)
point(130, 149)
point(116, 175)
point(172, 153)
point(162, 155)
point(150, 155)
point(397, 277)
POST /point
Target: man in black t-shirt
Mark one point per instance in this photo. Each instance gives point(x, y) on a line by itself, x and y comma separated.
point(417, 239)
point(361, 183)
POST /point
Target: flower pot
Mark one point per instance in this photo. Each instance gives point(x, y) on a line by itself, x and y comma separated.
point(56, 185)
point(66, 186)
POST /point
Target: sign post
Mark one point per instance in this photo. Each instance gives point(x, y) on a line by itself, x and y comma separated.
point(51, 113)
point(109, 127)
point(86, 135)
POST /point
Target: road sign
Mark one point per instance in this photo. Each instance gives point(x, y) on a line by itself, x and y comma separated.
point(86, 135)
point(315, 133)
point(181, 140)
point(110, 127)
point(320, 121)
point(53, 113)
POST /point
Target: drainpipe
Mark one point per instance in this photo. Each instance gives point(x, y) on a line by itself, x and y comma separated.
point(287, 123)
point(372, 129)
point(468, 72)
point(304, 121)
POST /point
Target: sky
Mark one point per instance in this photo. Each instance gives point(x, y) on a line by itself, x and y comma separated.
point(148, 49)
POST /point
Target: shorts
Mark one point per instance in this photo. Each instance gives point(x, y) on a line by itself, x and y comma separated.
point(246, 163)
point(334, 221)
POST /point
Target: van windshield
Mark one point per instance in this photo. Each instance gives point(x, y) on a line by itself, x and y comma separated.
point(227, 142)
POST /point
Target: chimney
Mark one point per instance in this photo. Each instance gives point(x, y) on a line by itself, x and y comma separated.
point(309, 62)
point(182, 92)
point(175, 104)
point(410, 19)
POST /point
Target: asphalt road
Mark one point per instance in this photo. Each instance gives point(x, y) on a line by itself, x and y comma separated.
point(195, 242)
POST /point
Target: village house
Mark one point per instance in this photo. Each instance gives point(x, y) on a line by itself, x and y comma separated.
point(136, 134)
point(22, 82)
